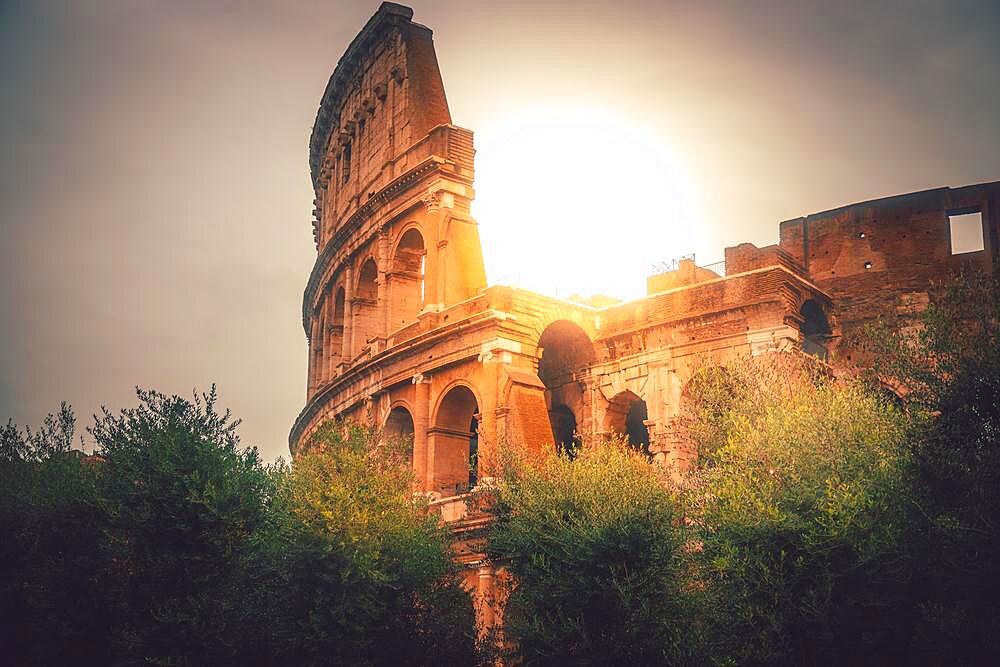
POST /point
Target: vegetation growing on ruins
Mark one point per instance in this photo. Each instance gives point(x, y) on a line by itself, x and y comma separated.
point(825, 521)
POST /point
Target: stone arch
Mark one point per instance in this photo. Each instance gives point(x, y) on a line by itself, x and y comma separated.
point(710, 385)
point(557, 313)
point(364, 309)
point(815, 329)
point(407, 278)
point(399, 423)
point(626, 417)
point(564, 348)
point(454, 441)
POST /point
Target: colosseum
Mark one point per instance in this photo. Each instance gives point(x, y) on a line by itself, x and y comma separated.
point(405, 332)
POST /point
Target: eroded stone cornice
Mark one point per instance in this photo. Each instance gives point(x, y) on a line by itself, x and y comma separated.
point(389, 15)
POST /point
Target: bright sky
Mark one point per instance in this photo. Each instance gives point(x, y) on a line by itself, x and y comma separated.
point(155, 198)
point(581, 201)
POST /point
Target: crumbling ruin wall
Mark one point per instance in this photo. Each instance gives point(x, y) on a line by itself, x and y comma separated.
point(877, 256)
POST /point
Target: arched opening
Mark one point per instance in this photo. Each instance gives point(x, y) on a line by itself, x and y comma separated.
point(564, 431)
point(335, 332)
point(565, 349)
point(455, 442)
point(365, 306)
point(626, 417)
point(815, 329)
point(407, 279)
point(399, 424)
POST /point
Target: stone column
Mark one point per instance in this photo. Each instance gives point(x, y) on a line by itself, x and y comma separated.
point(382, 303)
point(440, 295)
point(388, 322)
point(326, 355)
point(315, 341)
point(493, 380)
point(679, 451)
point(348, 350)
point(321, 341)
point(434, 246)
point(421, 419)
point(485, 598)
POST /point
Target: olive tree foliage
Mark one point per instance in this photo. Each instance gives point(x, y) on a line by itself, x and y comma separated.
point(352, 568)
point(594, 554)
point(945, 362)
point(51, 609)
point(798, 501)
point(181, 500)
point(54, 438)
point(128, 555)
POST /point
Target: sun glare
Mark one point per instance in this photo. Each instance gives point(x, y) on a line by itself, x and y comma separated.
point(576, 204)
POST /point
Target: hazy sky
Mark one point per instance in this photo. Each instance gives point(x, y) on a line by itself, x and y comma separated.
point(154, 189)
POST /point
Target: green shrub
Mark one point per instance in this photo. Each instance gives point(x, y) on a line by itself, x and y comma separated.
point(800, 500)
point(596, 559)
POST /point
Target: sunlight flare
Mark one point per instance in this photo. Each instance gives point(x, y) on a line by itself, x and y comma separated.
point(579, 203)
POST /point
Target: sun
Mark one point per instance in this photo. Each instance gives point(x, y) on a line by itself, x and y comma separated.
point(579, 203)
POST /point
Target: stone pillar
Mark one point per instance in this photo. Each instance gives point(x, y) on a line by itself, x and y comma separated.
point(327, 354)
point(389, 324)
point(678, 453)
point(315, 341)
point(488, 419)
point(485, 599)
point(434, 246)
point(347, 353)
point(442, 270)
point(322, 371)
point(382, 282)
point(421, 422)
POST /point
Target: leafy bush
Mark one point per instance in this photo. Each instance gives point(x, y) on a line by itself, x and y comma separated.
point(52, 608)
point(175, 546)
point(181, 499)
point(352, 567)
point(946, 363)
point(800, 502)
point(596, 559)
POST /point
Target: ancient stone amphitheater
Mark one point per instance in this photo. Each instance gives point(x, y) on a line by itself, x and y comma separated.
point(405, 332)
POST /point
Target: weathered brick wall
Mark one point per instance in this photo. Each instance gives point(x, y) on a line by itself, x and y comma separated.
point(870, 256)
point(686, 273)
point(748, 257)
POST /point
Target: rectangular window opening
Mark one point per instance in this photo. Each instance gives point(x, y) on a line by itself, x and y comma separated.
point(966, 232)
